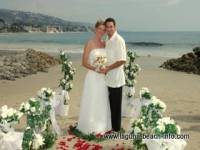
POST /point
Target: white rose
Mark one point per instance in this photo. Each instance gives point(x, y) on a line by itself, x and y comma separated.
point(19, 114)
point(33, 99)
point(49, 91)
point(161, 128)
point(27, 106)
point(10, 112)
point(126, 71)
point(4, 108)
point(38, 141)
point(43, 89)
point(62, 53)
point(33, 109)
point(28, 128)
point(137, 130)
point(4, 115)
point(70, 63)
point(71, 72)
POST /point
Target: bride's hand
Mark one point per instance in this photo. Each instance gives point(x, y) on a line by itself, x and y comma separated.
point(99, 70)
point(103, 71)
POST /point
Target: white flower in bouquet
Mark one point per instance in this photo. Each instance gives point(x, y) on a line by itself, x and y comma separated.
point(3, 115)
point(157, 101)
point(144, 90)
point(33, 109)
point(71, 72)
point(138, 67)
point(136, 130)
point(38, 141)
point(64, 81)
point(11, 112)
point(67, 77)
point(33, 99)
point(19, 114)
point(50, 91)
point(45, 93)
point(165, 120)
point(4, 108)
point(62, 53)
point(161, 127)
point(133, 55)
point(27, 128)
point(27, 106)
point(144, 93)
point(131, 73)
point(126, 71)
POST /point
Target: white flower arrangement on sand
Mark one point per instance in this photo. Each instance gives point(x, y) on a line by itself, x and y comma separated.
point(131, 70)
point(8, 117)
point(66, 82)
point(152, 122)
point(69, 72)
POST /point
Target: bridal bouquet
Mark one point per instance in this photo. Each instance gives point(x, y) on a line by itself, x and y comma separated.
point(100, 62)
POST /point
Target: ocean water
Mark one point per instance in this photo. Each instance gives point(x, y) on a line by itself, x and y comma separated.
point(174, 44)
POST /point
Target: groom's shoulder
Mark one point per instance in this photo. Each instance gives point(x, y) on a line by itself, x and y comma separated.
point(120, 38)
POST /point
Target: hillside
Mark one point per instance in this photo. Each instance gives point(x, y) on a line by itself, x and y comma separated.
point(14, 21)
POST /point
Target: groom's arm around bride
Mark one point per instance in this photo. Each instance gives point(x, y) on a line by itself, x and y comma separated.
point(115, 78)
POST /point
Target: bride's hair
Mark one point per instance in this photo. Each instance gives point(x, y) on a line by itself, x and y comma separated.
point(99, 23)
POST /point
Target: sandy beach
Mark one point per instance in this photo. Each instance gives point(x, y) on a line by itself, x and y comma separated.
point(180, 91)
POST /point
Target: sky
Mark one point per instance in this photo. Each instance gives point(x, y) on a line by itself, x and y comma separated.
point(130, 15)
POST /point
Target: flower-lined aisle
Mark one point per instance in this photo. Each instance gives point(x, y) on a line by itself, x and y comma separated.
point(131, 71)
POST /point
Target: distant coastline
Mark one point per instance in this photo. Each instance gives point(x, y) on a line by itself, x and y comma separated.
point(14, 21)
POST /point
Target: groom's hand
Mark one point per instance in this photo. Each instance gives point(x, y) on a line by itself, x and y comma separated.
point(105, 70)
point(102, 71)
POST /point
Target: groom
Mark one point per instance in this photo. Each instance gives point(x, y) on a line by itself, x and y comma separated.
point(115, 78)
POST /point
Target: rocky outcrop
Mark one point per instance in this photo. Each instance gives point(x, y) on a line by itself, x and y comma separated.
point(22, 64)
point(189, 62)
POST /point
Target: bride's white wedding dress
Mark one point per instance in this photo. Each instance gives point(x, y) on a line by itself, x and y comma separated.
point(95, 108)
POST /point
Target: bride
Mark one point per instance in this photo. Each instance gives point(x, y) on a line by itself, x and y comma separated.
point(94, 109)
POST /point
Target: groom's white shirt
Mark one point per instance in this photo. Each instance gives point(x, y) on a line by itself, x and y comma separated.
point(116, 51)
